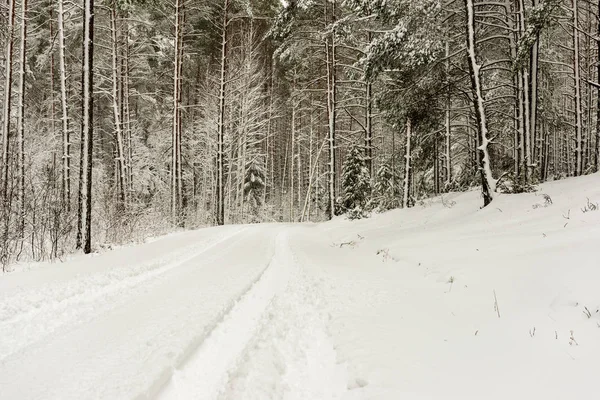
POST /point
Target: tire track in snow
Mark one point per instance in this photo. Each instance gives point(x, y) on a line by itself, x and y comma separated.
point(36, 315)
point(292, 357)
point(272, 344)
point(206, 371)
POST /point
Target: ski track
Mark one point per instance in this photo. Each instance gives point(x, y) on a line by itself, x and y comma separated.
point(42, 311)
point(272, 344)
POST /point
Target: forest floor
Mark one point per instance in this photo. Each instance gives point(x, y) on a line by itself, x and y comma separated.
point(441, 301)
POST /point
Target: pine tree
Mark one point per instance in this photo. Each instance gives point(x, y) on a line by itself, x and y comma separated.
point(356, 184)
point(385, 193)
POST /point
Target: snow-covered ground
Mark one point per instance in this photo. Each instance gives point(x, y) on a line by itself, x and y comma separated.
point(441, 301)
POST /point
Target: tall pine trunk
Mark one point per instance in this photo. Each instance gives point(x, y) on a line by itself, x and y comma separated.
point(526, 106)
point(369, 121)
point(84, 224)
point(448, 124)
point(597, 146)
point(21, 122)
point(121, 170)
point(577, 93)
point(536, 139)
point(7, 103)
point(488, 184)
point(331, 112)
point(175, 200)
point(407, 165)
point(66, 140)
point(220, 212)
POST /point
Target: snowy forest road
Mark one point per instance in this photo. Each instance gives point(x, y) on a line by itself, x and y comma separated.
point(440, 301)
point(202, 321)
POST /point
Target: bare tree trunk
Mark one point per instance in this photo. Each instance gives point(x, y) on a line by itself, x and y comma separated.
point(21, 122)
point(121, 190)
point(407, 166)
point(369, 121)
point(311, 167)
point(292, 155)
point(587, 133)
point(488, 184)
point(436, 164)
point(578, 117)
point(7, 102)
point(269, 178)
point(448, 125)
point(526, 116)
point(331, 113)
point(84, 225)
point(66, 140)
point(179, 176)
point(221, 123)
point(175, 200)
point(128, 138)
point(597, 145)
point(533, 101)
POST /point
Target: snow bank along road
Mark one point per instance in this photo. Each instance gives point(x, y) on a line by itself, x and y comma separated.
point(442, 301)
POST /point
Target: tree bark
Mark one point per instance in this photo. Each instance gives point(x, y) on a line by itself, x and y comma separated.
point(331, 113)
point(21, 122)
point(121, 170)
point(84, 225)
point(488, 184)
point(448, 125)
point(220, 217)
point(175, 200)
point(407, 165)
point(577, 89)
point(66, 140)
point(7, 102)
point(525, 96)
point(535, 143)
point(369, 121)
point(597, 145)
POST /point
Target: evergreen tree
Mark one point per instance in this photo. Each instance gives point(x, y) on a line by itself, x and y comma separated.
point(356, 184)
point(385, 194)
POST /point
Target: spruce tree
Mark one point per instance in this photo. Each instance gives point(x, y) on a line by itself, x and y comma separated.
point(355, 183)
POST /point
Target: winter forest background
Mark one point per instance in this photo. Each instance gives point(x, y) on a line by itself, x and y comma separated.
point(128, 118)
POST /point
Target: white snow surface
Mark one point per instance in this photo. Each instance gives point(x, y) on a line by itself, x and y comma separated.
point(441, 301)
